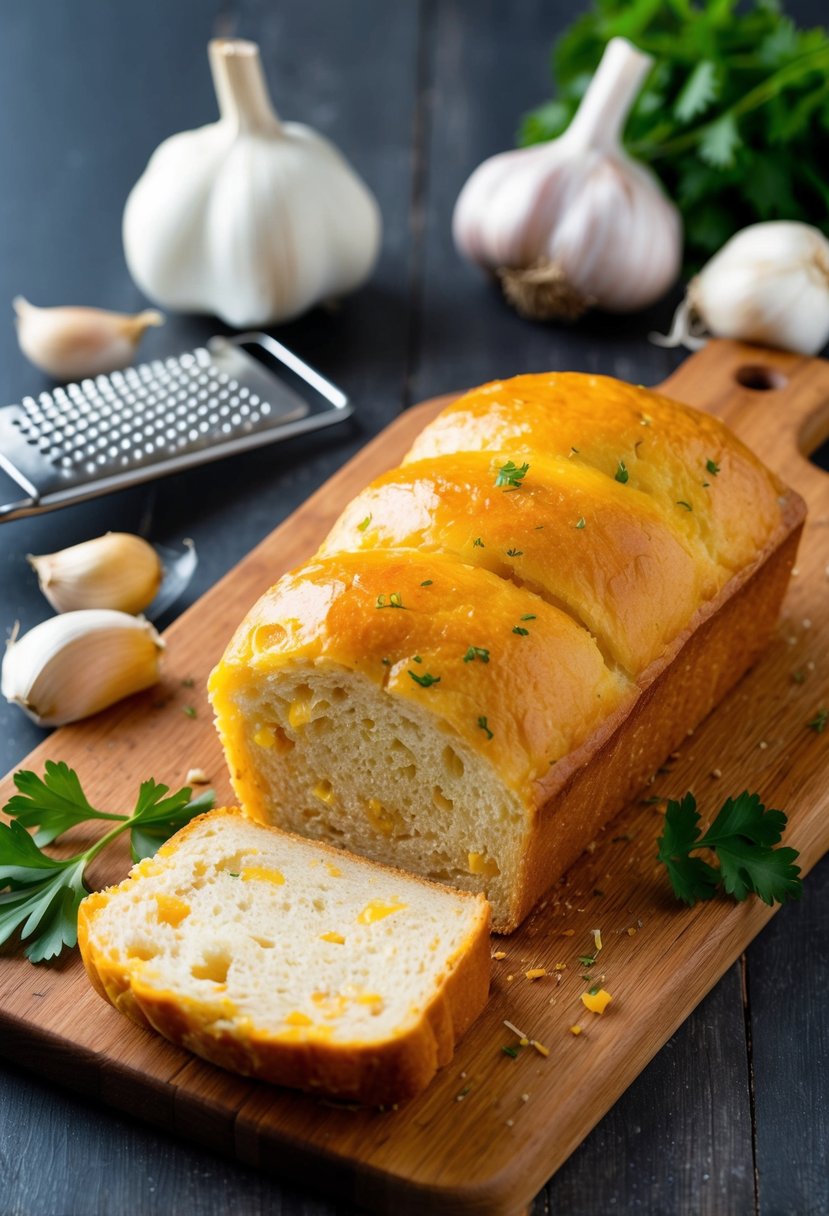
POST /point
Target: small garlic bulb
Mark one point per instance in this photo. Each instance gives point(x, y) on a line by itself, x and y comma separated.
point(575, 223)
point(769, 284)
point(117, 571)
point(71, 343)
point(250, 218)
point(75, 664)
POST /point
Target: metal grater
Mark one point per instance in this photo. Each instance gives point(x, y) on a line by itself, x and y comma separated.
point(131, 426)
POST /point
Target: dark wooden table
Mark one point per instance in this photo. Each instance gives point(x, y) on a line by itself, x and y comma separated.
point(733, 1115)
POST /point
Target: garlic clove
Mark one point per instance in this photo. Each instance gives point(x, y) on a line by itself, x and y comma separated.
point(76, 664)
point(768, 284)
point(576, 222)
point(71, 343)
point(118, 571)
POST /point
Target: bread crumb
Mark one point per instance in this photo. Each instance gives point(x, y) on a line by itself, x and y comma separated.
point(499, 954)
point(568, 932)
point(510, 1123)
point(716, 773)
point(631, 932)
point(525, 1097)
point(807, 624)
point(196, 776)
point(762, 745)
point(510, 978)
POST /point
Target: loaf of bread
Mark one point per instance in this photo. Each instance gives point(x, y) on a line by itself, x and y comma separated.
point(500, 640)
point(289, 961)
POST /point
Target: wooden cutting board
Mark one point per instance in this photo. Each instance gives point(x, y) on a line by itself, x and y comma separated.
point(489, 1130)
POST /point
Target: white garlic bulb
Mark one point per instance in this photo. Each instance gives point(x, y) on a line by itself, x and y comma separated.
point(71, 343)
point(576, 223)
point(769, 284)
point(118, 570)
point(75, 664)
point(249, 218)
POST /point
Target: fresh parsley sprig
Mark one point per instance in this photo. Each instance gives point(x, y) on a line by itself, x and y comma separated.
point(40, 895)
point(743, 837)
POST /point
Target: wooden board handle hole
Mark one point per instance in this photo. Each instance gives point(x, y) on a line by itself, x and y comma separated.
point(760, 378)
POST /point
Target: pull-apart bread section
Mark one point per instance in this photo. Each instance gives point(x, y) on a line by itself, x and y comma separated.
point(502, 638)
point(289, 961)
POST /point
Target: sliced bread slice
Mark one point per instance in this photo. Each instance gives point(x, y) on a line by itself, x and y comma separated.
point(291, 961)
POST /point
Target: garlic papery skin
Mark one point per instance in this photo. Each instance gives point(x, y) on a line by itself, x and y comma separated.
point(118, 570)
point(71, 343)
point(78, 663)
point(576, 222)
point(249, 218)
point(768, 284)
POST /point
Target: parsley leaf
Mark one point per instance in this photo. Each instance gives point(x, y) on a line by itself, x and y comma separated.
point(40, 895)
point(510, 475)
point(712, 467)
point(425, 681)
point(621, 474)
point(395, 600)
point(476, 652)
point(54, 802)
point(482, 722)
point(818, 723)
point(743, 837)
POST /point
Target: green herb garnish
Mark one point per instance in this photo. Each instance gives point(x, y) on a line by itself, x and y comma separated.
point(528, 616)
point(520, 631)
point(621, 474)
point(511, 475)
point(482, 722)
point(582, 523)
point(511, 1051)
point(818, 723)
point(364, 523)
point(478, 543)
point(743, 837)
point(476, 652)
point(426, 680)
point(587, 960)
point(712, 467)
point(40, 895)
point(515, 552)
point(395, 600)
point(681, 503)
point(427, 582)
point(190, 710)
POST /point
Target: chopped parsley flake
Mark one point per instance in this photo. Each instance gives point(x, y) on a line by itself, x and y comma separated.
point(528, 616)
point(520, 631)
point(681, 503)
point(798, 676)
point(712, 467)
point(818, 723)
point(582, 523)
point(425, 681)
point(587, 960)
point(427, 582)
point(417, 659)
point(515, 552)
point(361, 527)
point(386, 662)
point(476, 652)
point(189, 710)
point(511, 475)
point(511, 1051)
point(394, 601)
point(482, 722)
point(574, 451)
point(478, 543)
point(621, 473)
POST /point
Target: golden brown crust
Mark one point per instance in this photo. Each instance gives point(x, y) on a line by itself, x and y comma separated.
point(719, 505)
point(373, 1073)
